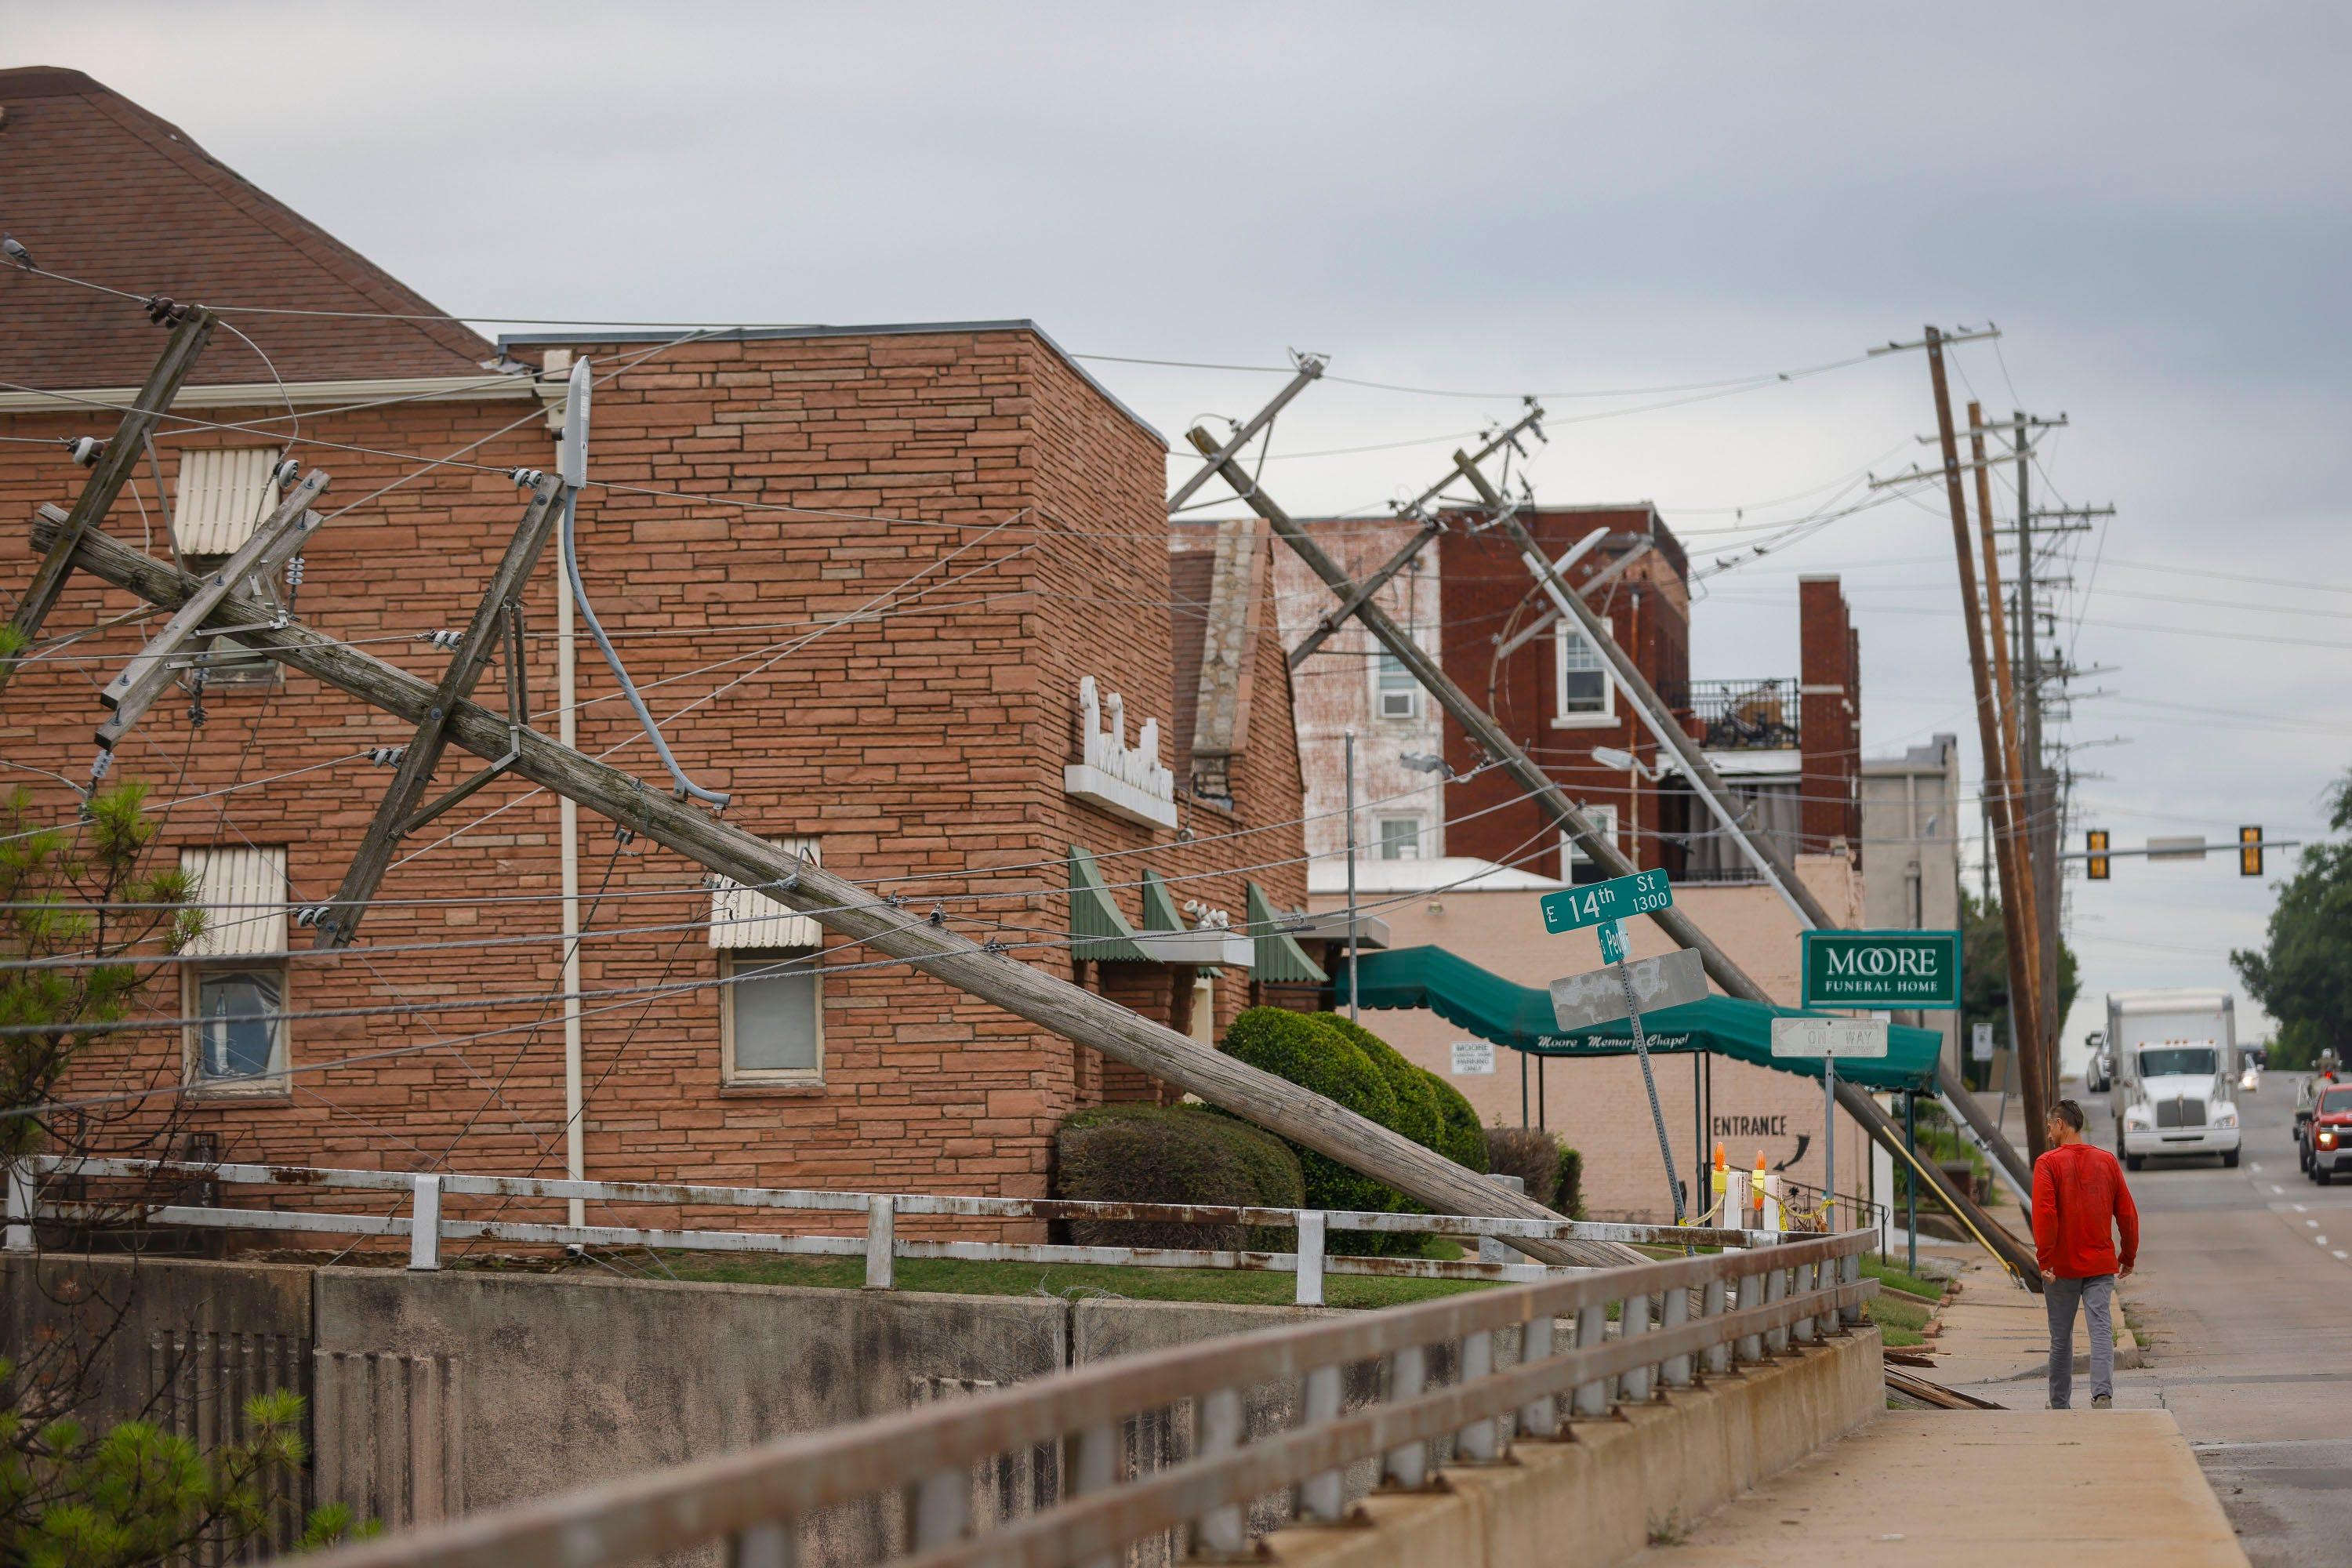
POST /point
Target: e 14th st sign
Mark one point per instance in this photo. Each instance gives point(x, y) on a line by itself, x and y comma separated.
point(1882, 969)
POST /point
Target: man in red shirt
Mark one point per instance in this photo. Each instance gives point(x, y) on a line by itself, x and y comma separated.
point(2080, 1202)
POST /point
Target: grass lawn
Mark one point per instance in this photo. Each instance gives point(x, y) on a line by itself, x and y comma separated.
point(959, 1276)
point(1899, 1319)
point(1893, 1278)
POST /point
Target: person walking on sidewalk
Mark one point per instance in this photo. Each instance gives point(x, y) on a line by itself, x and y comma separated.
point(2080, 1204)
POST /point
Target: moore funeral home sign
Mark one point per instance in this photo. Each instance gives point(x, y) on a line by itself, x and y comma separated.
point(1882, 969)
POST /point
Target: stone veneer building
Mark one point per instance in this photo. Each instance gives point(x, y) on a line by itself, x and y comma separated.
point(863, 573)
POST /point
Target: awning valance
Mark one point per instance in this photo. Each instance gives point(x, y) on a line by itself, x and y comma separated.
point(1520, 1017)
point(1280, 959)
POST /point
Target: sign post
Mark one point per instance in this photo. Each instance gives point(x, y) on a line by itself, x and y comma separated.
point(1828, 1039)
point(1606, 905)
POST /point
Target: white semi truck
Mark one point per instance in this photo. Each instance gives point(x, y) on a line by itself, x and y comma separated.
point(2174, 1089)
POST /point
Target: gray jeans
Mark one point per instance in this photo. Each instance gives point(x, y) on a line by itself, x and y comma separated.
point(2097, 1297)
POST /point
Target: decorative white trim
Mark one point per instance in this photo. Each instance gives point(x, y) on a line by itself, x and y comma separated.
point(1126, 781)
point(1214, 947)
point(302, 394)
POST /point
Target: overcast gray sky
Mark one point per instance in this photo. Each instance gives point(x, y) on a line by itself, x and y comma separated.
point(2148, 199)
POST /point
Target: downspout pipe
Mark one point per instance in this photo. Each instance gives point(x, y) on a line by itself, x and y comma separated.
point(572, 464)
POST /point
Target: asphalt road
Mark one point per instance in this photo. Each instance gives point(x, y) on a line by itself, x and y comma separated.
point(2244, 1296)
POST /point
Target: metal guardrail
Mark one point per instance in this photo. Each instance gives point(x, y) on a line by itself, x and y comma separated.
point(1751, 1304)
point(427, 1227)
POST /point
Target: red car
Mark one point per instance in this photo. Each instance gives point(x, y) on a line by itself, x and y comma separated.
point(2331, 1132)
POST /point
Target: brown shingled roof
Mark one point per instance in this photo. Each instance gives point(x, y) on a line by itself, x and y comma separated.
point(97, 188)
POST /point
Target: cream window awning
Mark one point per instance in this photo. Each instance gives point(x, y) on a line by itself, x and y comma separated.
point(242, 891)
point(742, 917)
point(224, 492)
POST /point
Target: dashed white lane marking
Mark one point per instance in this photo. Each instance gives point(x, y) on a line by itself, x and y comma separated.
point(2321, 1239)
point(2303, 1209)
point(2312, 1222)
point(2340, 1253)
point(2276, 1188)
point(2255, 1167)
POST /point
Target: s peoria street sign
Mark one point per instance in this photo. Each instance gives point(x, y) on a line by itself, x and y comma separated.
point(1882, 969)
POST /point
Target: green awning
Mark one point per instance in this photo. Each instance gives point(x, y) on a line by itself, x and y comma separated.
point(1520, 1017)
point(1102, 934)
point(1280, 959)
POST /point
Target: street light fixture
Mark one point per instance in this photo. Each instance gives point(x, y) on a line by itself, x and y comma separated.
point(1625, 761)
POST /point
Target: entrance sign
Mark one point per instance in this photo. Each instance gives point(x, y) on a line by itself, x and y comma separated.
point(1589, 1000)
point(1882, 969)
point(1472, 1057)
point(1575, 907)
point(1829, 1038)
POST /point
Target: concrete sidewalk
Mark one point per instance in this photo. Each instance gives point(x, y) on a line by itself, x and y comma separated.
point(2019, 1488)
point(1994, 1332)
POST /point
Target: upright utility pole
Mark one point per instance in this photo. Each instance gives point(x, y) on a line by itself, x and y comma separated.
point(1988, 733)
point(1349, 740)
point(2041, 802)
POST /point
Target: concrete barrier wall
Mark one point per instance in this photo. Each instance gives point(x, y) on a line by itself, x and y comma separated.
point(436, 1394)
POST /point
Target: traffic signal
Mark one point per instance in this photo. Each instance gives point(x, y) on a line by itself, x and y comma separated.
point(2249, 852)
point(2095, 863)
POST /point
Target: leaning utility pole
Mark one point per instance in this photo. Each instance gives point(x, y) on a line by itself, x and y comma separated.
point(839, 905)
point(112, 469)
point(1989, 744)
point(1490, 737)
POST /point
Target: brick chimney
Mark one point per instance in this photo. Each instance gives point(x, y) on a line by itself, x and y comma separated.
point(1830, 693)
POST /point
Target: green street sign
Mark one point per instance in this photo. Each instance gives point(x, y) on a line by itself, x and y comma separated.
point(1615, 900)
point(1882, 969)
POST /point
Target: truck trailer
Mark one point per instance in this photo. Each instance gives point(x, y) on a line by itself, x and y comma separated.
point(2174, 1088)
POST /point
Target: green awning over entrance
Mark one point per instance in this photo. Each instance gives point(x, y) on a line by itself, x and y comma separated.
point(1520, 1017)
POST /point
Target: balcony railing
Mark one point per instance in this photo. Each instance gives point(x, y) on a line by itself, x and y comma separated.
point(1745, 715)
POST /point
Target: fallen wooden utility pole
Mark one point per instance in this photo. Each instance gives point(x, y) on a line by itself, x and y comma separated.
point(111, 471)
point(843, 907)
point(1488, 735)
point(2028, 1033)
point(1761, 852)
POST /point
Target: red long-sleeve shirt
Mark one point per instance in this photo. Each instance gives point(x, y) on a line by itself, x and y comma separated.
point(2079, 1203)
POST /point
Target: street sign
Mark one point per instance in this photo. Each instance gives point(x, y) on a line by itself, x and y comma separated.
point(1882, 969)
point(1613, 941)
point(1586, 1001)
point(1829, 1038)
point(2180, 846)
point(1980, 1042)
point(1576, 908)
point(1472, 1057)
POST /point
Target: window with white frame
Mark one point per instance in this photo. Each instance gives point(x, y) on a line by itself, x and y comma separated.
point(1395, 693)
point(772, 1022)
point(1583, 692)
point(224, 495)
point(771, 1003)
point(233, 985)
point(1399, 837)
point(1603, 817)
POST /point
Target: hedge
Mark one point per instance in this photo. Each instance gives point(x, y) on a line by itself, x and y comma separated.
point(1529, 1154)
point(1174, 1154)
point(1419, 1115)
point(1296, 1047)
point(1462, 1140)
point(1567, 1196)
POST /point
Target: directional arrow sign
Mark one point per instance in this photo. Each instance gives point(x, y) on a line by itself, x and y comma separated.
point(1830, 1037)
point(1585, 1001)
point(1615, 900)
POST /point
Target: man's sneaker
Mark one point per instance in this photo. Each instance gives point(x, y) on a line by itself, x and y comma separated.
point(2103, 1402)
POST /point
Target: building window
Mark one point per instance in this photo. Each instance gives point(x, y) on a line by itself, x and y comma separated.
point(233, 987)
point(771, 1009)
point(1584, 693)
point(1395, 693)
point(225, 661)
point(224, 495)
point(1399, 837)
point(1574, 860)
point(772, 1017)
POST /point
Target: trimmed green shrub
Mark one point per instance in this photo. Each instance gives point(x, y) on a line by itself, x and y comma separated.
point(1460, 1138)
point(1567, 1194)
point(1529, 1154)
point(1418, 1116)
point(1174, 1154)
point(1312, 1055)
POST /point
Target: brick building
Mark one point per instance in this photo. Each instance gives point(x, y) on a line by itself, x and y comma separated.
point(862, 573)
